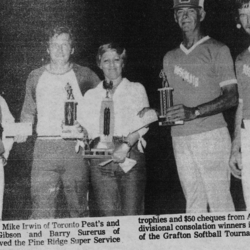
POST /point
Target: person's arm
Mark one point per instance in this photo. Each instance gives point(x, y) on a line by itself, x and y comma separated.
point(29, 106)
point(226, 100)
point(7, 118)
point(235, 158)
point(224, 74)
point(141, 101)
point(87, 79)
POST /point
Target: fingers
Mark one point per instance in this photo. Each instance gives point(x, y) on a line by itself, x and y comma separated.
point(20, 138)
point(176, 113)
point(143, 111)
point(236, 173)
point(78, 126)
point(120, 153)
point(235, 167)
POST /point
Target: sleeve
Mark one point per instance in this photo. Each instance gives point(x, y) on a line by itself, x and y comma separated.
point(239, 69)
point(225, 67)
point(29, 105)
point(6, 115)
point(94, 78)
point(6, 119)
point(87, 79)
point(165, 63)
point(142, 102)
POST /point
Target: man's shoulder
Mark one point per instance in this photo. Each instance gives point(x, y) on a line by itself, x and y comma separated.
point(81, 69)
point(243, 56)
point(37, 72)
point(2, 100)
point(214, 44)
point(172, 53)
point(87, 78)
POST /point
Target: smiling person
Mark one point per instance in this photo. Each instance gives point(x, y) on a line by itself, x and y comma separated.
point(55, 160)
point(240, 160)
point(117, 190)
point(202, 74)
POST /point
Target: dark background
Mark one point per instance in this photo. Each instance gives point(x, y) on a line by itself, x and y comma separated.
point(147, 30)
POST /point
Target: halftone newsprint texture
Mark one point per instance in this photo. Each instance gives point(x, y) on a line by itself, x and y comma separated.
point(146, 28)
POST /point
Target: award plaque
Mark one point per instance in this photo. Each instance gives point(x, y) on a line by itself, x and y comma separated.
point(166, 101)
point(70, 111)
point(103, 146)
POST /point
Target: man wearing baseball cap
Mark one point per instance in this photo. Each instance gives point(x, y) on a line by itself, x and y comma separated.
point(202, 74)
point(188, 3)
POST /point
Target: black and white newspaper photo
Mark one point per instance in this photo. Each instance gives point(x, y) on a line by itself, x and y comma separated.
point(125, 124)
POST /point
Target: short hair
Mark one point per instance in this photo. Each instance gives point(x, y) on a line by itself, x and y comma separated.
point(58, 30)
point(240, 3)
point(121, 51)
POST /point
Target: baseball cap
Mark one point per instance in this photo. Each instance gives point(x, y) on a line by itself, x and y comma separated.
point(188, 3)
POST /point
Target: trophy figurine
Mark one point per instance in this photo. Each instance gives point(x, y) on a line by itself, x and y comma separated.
point(70, 112)
point(166, 101)
point(103, 146)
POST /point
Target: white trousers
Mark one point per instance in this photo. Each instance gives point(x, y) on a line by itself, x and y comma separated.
point(245, 150)
point(203, 167)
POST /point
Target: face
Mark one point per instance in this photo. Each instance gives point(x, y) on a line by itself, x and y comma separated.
point(189, 18)
point(60, 48)
point(244, 17)
point(111, 65)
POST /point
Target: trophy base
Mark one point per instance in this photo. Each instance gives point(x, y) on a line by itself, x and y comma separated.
point(99, 150)
point(98, 154)
point(167, 123)
point(69, 132)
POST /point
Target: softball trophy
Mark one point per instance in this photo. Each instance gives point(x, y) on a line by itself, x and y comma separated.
point(166, 101)
point(70, 111)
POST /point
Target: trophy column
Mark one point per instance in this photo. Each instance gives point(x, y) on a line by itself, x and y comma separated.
point(70, 115)
point(104, 146)
point(166, 101)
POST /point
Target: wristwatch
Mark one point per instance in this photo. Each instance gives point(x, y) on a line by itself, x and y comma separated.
point(197, 112)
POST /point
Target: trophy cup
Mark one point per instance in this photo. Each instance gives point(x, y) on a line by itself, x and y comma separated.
point(103, 146)
point(166, 101)
point(70, 111)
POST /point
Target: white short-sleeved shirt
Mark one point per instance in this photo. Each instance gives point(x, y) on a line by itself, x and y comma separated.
point(129, 98)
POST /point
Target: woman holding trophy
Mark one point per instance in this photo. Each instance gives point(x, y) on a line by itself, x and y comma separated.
point(115, 131)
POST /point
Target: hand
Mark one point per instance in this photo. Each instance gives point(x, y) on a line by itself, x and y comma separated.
point(180, 113)
point(143, 111)
point(20, 138)
point(132, 138)
point(78, 127)
point(120, 153)
point(235, 163)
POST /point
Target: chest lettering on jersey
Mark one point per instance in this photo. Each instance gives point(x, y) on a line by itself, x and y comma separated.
point(246, 70)
point(188, 77)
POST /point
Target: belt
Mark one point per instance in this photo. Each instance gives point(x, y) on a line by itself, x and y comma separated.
point(56, 137)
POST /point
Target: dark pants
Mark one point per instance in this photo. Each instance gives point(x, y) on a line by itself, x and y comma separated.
point(56, 162)
point(118, 193)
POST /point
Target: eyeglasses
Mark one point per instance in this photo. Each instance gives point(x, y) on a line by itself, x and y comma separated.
point(186, 12)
